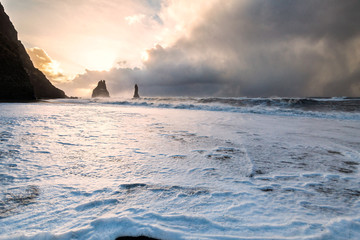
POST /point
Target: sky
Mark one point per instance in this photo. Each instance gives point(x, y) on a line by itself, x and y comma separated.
point(233, 48)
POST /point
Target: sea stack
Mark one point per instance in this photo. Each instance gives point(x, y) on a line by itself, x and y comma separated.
point(136, 92)
point(19, 79)
point(100, 90)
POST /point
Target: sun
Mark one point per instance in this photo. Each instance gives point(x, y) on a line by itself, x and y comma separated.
point(144, 56)
point(99, 60)
point(53, 67)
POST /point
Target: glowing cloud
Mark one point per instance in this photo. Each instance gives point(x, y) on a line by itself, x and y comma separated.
point(48, 66)
point(135, 18)
point(193, 47)
point(250, 48)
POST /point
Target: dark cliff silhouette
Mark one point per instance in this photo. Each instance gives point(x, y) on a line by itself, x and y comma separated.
point(14, 81)
point(100, 90)
point(19, 79)
point(136, 92)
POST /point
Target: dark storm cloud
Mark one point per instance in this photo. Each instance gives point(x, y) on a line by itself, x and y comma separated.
point(306, 18)
point(262, 48)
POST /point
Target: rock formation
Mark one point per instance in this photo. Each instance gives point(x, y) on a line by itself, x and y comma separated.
point(136, 92)
point(100, 90)
point(14, 81)
point(19, 79)
point(42, 86)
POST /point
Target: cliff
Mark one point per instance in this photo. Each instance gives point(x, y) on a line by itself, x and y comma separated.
point(100, 90)
point(19, 79)
point(14, 81)
point(42, 86)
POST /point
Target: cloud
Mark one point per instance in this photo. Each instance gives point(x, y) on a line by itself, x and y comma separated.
point(48, 66)
point(250, 48)
point(87, 34)
point(134, 18)
point(266, 48)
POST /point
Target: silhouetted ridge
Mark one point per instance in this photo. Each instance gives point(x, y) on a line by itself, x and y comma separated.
point(19, 79)
point(100, 90)
point(42, 86)
point(14, 81)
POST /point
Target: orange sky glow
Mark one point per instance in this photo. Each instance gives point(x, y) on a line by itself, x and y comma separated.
point(194, 47)
point(72, 36)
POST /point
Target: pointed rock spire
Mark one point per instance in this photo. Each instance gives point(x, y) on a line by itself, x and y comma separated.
point(136, 92)
point(100, 90)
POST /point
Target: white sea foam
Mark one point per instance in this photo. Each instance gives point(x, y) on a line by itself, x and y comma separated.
point(325, 108)
point(81, 169)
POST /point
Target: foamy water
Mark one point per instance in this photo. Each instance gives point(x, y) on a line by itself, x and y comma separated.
point(179, 169)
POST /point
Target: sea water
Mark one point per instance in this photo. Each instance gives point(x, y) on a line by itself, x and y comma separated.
point(180, 168)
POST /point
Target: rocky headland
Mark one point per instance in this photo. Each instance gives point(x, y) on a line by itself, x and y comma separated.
point(19, 79)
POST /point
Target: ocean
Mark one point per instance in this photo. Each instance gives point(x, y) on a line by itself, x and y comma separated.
point(180, 168)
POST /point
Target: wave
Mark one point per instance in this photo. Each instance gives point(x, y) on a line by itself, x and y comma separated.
point(155, 226)
point(327, 108)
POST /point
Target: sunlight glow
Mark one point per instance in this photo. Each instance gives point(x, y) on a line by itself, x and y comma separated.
point(144, 56)
point(134, 19)
point(83, 92)
point(99, 60)
point(46, 64)
point(54, 67)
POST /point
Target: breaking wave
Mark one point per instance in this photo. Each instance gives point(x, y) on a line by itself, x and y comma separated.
point(327, 108)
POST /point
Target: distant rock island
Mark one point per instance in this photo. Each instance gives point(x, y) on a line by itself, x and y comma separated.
point(19, 79)
point(136, 92)
point(100, 90)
